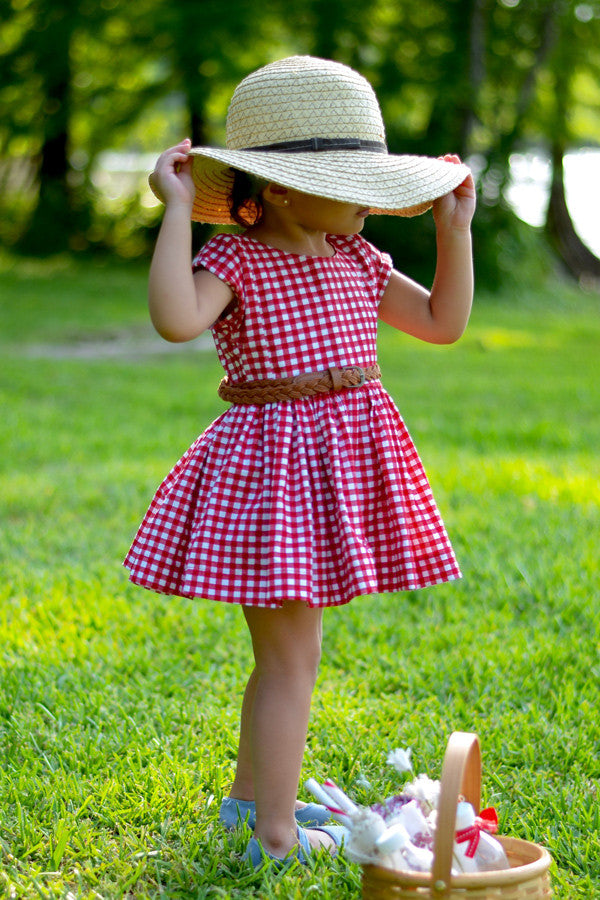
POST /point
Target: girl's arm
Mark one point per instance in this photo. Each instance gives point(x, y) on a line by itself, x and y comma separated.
point(439, 316)
point(182, 305)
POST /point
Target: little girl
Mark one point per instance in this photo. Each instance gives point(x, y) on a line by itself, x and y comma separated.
point(307, 492)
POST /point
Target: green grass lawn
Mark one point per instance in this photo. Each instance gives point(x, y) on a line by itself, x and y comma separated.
point(118, 708)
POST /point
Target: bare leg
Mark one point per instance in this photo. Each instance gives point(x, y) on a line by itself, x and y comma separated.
point(287, 649)
point(243, 783)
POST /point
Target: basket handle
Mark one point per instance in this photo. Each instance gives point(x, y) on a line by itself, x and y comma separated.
point(461, 774)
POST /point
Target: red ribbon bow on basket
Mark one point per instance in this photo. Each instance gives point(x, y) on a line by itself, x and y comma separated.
point(487, 820)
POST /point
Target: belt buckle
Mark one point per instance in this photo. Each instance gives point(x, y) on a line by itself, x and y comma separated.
point(363, 377)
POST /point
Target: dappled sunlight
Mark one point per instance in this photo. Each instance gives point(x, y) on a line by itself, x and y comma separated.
point(100, 676)
point(509, 338)
point(569, 481)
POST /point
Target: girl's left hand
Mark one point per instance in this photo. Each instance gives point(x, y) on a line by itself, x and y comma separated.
point(456, 209)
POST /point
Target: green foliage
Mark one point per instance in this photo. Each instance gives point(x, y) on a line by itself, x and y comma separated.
point(508, 253)
point(119, 708)
point(478, 78)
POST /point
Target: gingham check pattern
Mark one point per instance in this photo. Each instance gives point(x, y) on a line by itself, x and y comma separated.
point(320, 500)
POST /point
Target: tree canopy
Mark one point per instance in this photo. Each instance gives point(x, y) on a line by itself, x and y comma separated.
point(484, 78)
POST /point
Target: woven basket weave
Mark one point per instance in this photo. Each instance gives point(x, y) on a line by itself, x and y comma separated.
point(527, 879)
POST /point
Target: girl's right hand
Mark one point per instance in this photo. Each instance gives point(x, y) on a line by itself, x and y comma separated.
point(172, 180)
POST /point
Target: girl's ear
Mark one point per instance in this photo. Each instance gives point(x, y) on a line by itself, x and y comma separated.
point(276, 194)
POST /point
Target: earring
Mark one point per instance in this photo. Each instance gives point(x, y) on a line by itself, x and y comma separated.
point(286, 202)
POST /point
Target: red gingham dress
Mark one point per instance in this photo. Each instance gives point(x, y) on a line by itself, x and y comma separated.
point(321, 499)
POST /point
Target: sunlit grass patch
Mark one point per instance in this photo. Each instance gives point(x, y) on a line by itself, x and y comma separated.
point(119, 708)
point(558, 480)
point(501, 338)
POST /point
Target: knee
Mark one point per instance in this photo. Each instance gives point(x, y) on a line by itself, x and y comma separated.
point(311, 659)
point(296, 660)
point(287, 642)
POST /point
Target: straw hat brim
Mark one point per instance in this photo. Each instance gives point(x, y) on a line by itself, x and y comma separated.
point(387, 184)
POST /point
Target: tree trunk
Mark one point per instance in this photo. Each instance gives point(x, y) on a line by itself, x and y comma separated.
point(55, 219)
point(477, 73)
point(498, 159)
point(579, 259)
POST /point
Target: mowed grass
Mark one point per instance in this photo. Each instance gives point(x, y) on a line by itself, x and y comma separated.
point(119, 708)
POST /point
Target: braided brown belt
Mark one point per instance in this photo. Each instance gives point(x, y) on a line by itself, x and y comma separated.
point(276, 390)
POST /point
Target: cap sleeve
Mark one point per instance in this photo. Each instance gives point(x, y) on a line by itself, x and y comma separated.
point(220, 256)
point(383, 270)
point(376, 264)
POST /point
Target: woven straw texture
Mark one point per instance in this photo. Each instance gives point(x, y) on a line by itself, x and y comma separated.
point(529, 863)
point(300, 98)
point(527, 879)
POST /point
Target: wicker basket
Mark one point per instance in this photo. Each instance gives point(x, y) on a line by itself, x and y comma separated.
point(527, 879)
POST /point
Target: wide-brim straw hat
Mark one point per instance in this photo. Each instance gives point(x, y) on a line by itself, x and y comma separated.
point(314, 125)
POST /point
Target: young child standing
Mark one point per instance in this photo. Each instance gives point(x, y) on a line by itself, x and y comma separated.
point(307, 492)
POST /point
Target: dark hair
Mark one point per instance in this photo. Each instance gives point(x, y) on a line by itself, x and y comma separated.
point(245, 203)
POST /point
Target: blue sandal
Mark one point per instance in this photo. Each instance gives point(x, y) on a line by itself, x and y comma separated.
point(258, 856)
point(234, 813)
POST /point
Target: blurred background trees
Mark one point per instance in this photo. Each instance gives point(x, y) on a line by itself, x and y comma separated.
point(91, 91)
